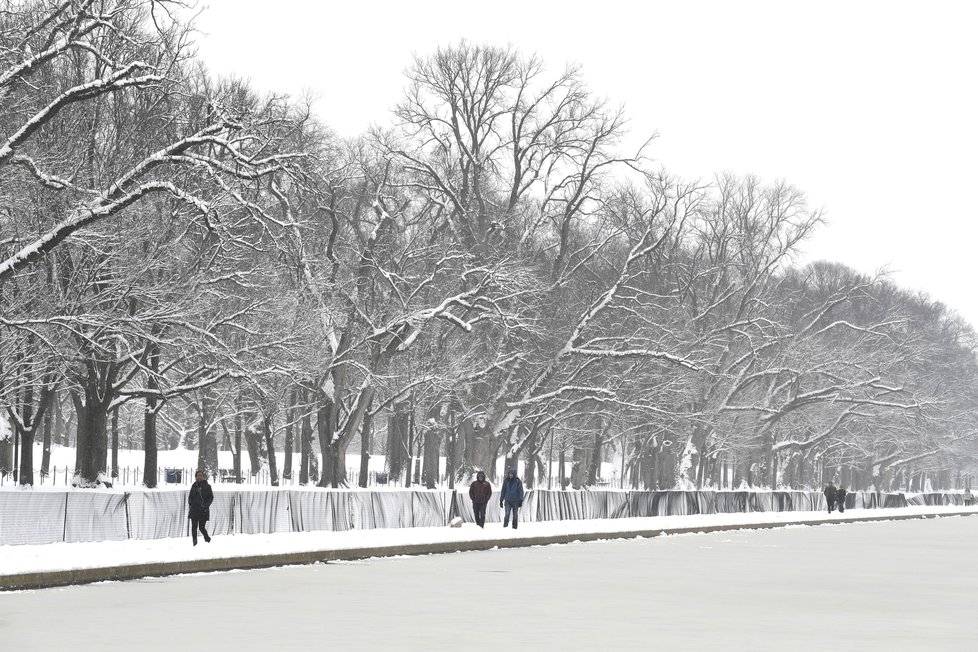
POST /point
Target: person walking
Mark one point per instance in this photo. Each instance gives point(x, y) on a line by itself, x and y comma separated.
point(840, 499)
point(511, 496)
point(829, 492)
point(480, 491)
point(200, 499)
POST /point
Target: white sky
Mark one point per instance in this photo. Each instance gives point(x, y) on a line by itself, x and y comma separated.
point(870, 107)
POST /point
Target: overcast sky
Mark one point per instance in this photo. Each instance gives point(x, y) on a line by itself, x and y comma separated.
point(871, 108)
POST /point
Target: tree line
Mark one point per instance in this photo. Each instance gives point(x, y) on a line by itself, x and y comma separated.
point(490, 275)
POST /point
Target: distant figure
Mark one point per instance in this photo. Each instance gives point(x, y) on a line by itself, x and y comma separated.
point(200, 500)
point(840, 499)
point(511, 495)
point(480, 491)
point(969, 500)
point(829, 492)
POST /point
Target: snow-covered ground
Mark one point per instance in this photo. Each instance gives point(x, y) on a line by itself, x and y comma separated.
point(100, 554)
point(895, 585)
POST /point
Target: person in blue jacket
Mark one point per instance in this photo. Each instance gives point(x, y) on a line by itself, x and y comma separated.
point(511, 496)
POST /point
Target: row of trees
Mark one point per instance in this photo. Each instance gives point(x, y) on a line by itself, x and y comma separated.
point(490, 276)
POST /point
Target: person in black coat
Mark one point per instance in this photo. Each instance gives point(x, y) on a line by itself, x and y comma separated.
point(829, 492)
point(199, 501)
point(840, 499)
point(480, 491)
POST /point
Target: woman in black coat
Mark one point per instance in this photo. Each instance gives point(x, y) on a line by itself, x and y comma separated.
point(200, 500)
point(840, 498)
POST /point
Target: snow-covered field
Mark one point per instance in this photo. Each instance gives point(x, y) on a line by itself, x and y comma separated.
point(895, 585)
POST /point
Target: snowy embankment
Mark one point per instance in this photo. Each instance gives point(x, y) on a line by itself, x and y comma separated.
point(109, 554)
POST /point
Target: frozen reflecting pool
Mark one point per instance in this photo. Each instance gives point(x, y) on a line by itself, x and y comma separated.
point(903, 585)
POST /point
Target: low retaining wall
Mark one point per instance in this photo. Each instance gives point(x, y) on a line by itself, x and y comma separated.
point(40, 517)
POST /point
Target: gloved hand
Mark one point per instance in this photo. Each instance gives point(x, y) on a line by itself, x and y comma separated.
point(500, 504)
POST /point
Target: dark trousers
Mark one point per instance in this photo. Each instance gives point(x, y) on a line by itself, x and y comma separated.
point(831, 503)
point(841, 504)
point(194, 525)
point(513, 508)
point(480, 513)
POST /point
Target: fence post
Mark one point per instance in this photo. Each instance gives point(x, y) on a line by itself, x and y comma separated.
point(125, 499)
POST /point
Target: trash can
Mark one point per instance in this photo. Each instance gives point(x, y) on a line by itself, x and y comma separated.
point(174, 476)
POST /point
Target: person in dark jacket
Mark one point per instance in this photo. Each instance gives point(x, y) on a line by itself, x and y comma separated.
point(840, 499)
point(480, 491)
point(200, 500)
point(511, 496)
point(829, 492)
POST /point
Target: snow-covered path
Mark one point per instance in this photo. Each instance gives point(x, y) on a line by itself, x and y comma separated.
point(895, 585)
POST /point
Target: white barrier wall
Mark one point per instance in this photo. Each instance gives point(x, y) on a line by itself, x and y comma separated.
point(39, 517)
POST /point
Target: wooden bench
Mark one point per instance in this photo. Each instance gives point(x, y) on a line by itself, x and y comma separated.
point(228, 475)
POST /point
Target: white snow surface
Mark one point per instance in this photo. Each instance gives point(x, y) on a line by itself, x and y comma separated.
point(888, 586)
point(18, 559)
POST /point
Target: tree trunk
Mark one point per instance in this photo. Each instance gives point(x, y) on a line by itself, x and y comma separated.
point(580, 459)
point(529, 466)
point(366, 437)
point(397, 434)
point(334, 471)
point(254, 448)
point(150, 470)
point(594, 466)
point(237, 439)
point(562, 470)
point(92, 442)
point(414, 446)
point(477, 455)
point(60, 428)
point(771, 460)
point(46, 444)
point(305, 441)
point(270, 447)
point(25, 472)
point(432, 448)
point(150, 445)
point(451, 449)
point(206, 437)
point(115, 442)
point(326, 427)
point(290, 419)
